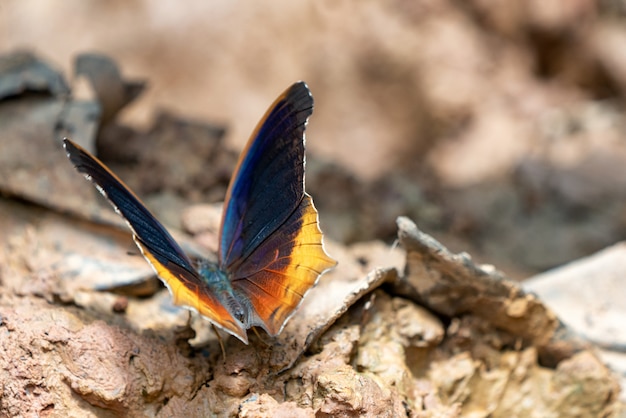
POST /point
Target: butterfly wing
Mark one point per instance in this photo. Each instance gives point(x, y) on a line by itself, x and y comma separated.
point(270, 241)
point(156, 244)
point(282, 269)
point(268, 182)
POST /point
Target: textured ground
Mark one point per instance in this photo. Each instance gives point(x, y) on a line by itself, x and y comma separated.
point(497, 128)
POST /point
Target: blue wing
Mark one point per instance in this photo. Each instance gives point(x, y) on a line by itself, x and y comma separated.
point(156, 244)
point(268, 183)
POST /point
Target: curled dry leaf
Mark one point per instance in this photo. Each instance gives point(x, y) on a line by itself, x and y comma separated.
point(451, 284)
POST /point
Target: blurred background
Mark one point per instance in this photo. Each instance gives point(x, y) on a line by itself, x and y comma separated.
point(498, 126)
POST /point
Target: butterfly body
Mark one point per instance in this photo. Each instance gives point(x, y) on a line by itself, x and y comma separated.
point(270, 248)
point(218, 280)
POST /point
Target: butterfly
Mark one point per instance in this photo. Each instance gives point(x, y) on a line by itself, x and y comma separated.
point(271, 250)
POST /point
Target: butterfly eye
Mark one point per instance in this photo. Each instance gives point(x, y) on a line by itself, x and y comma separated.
point(238, 311)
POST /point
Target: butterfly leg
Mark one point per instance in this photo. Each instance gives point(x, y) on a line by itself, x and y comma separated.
point(266, 344)
point(219, 339)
